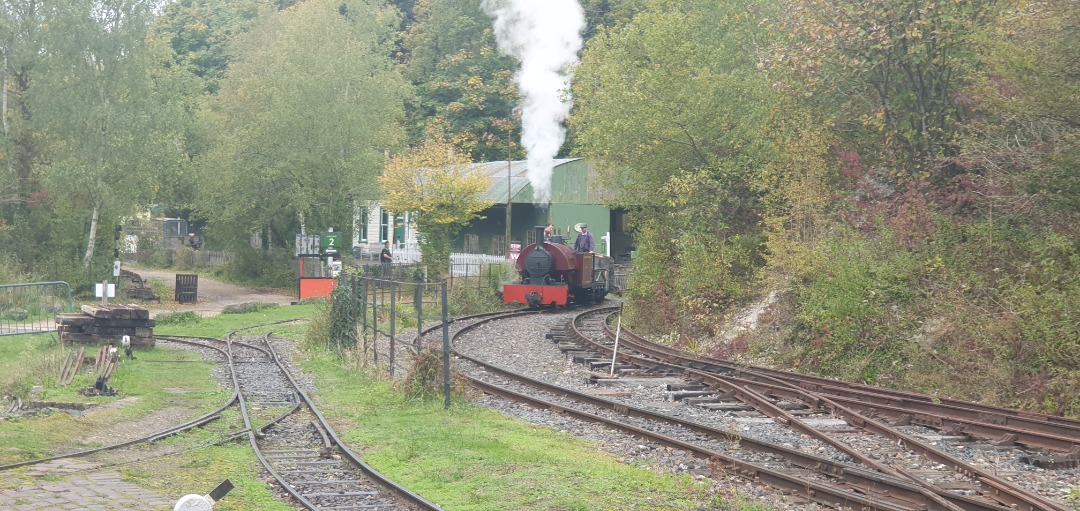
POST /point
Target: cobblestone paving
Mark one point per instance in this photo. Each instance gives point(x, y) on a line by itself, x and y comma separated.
point(72, 485)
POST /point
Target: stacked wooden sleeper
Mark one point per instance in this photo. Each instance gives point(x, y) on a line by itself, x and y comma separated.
point(107, 323)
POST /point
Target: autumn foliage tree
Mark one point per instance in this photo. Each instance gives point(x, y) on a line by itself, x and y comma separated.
point(896, 67)
point(436, 182)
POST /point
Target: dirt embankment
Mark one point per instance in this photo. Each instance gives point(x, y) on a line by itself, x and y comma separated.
point(213, 295)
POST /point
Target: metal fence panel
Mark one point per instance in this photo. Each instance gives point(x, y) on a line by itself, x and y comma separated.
point(31, 308)
point(621, 278)
point(187, 288)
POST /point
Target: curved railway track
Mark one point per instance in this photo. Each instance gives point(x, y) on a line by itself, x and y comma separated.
point(850, 477)
point(293, 441)
point(766, 390)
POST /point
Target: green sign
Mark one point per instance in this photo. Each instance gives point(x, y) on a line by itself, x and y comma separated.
point(330, 242)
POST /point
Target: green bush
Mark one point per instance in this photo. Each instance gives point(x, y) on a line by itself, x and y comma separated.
point(342, 324)
point(472, 295)
point(243, 308)
point(318, 327)
point(853, 317)
point(269, 268)
point(179, 318)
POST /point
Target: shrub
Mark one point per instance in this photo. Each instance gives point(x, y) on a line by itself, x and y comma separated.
point(425, 377)
point(270, 268)
point(179, 318)
point(342, 324)
point(243, 308)
point(854, 313)
point(318, 327)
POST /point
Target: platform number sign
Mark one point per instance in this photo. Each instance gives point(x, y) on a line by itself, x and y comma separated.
point(331, 242)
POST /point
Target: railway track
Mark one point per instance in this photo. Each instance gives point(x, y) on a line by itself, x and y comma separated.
point(853, 471)
point(298, 447)
point(288, 434)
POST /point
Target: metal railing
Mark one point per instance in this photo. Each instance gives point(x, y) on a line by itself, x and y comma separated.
point(31, 308)
point(187, 258)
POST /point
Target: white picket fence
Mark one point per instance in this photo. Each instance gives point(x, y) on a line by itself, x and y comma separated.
point(470, 265)
point(461, 265)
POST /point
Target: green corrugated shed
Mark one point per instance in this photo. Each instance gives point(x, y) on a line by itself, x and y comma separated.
point(574, 199)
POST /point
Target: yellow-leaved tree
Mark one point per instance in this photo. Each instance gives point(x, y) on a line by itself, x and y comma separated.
point(436, 182)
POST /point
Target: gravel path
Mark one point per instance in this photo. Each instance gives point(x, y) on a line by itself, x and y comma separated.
point(214, 295)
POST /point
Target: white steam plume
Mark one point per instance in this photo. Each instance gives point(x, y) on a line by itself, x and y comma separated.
point(545, 35)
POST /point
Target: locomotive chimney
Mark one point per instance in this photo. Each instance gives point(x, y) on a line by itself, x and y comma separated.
point(539, 234)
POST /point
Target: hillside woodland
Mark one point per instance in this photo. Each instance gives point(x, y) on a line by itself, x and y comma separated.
point(896, 182)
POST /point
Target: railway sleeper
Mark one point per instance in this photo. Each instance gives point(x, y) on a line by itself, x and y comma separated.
point(704, 400)
point(1051, 462)
point(313, 456)
point(685, 386)
point(336, 481)
point(341, 494)
point(596, 363)
point(727, 407)
point(679, 395)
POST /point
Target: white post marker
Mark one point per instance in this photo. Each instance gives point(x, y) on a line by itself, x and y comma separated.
point(105, 290)
point(193, 503)
point(614, 352)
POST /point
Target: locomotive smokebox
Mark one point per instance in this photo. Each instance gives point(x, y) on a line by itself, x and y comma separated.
point(538, 263)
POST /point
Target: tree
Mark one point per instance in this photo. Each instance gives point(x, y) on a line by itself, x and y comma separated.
point(1024, 135)
point(110, 132)
point(436, 182)
point(21, 50)
point(301, 122)
point(464, 86)
point(84, 118)
point(898, 65)
point(199, 32)
point(672, 105)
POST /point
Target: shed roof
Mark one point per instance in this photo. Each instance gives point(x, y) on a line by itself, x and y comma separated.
point(495, 172)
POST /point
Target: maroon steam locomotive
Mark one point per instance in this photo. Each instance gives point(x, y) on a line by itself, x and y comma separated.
point(553, 274)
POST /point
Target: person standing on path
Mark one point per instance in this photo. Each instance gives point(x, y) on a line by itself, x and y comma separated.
point(385, 256)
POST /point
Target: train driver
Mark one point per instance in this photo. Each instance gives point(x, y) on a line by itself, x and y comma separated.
point(584, 241)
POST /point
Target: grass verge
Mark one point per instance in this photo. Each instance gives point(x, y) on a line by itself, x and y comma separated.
point(471, 458)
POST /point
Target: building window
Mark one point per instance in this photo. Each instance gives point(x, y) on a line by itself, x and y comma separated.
point(362, 224)
point(384, 224)
point(472, 244)
point(498, 245)
point(530, 237)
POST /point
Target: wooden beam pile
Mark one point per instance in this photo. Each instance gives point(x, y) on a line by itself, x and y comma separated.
point(107, 323)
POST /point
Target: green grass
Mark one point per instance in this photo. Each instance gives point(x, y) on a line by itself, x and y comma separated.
point(221, 325)
point(147, 386)
point(32, 360)
point(200, 465)
point(471, 458)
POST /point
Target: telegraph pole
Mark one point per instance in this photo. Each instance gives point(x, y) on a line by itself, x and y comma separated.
point(509, 184)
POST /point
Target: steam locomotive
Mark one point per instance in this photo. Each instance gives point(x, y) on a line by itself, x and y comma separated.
point(553, 274)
